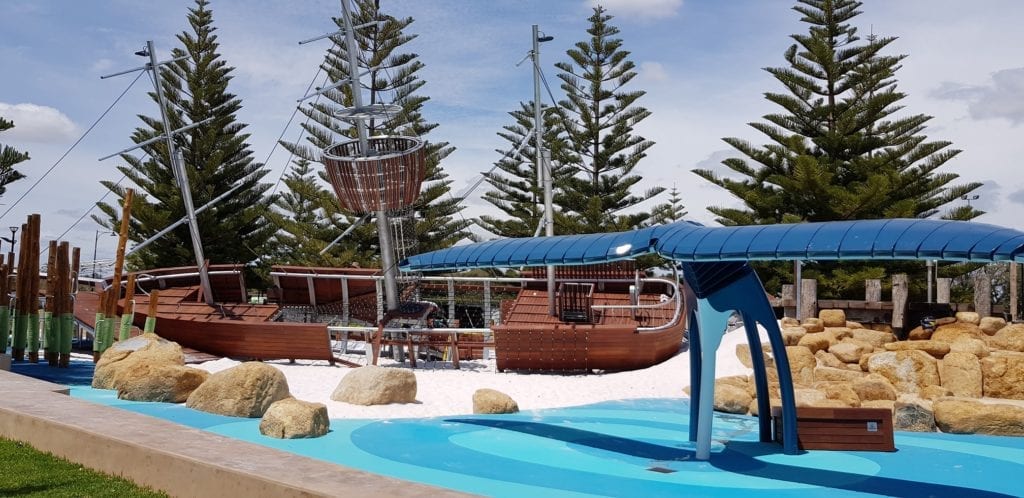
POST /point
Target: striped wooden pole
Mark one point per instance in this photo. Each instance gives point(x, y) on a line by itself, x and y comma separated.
point(129, 308)
point(50, 330)
point(20, 341)
point(35, 223)
point(154, 301)
point(64, 312)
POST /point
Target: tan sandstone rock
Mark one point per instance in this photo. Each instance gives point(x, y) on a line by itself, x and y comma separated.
point(374, 385)
point(850, 350)
point(245, 390)
point(966, 416)
point(873, 337)
point(991, 324)
point(949, 333)
point(791, 335)
point(961, 374)
point(909, 371)
point(826, 359)
point(874, 388)
point(290, 418)
point(819, 341)
point(812, 325)
point(127, 354)
point(839, 391)
point(1009, 338)
point(160, 382)
point(945, 320)
point(832, 318)
point(968, 317)
point(1003, 375)
point(932, 393)
point(854, 325)
point(938, 349)
point(808, 397)
point(743, 354)
point(801, 364)
point(731, 399)
point(788, 321)
point(492, 401)
point(965, 344)
point(919, 333)
point(913, 414)
point(829, 374)
point(888, 404)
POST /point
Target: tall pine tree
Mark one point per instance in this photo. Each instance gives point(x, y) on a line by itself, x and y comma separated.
point(839, 147)
point(9, 156)
point(392, 78)
point(216, 158)
point(599, 120)
point(515, 189)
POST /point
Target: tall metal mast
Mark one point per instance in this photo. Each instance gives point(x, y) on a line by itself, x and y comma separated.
point(542, 159)
point(177, 164)
point(387, 251)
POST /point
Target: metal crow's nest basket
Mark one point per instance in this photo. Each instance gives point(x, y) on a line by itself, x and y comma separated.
point(385, 178)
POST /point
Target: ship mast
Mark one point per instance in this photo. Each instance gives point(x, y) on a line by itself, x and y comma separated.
point(177, 163)
point(542, 159)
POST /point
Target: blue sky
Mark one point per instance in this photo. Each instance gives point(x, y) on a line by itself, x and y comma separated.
point(700, 62)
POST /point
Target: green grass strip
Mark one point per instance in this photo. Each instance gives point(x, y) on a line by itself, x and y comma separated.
point(30, 472)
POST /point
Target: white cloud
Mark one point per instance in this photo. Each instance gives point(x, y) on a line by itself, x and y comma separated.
point(642, 9)
point(1003, 97)
point(653, 71)
point(37, 123)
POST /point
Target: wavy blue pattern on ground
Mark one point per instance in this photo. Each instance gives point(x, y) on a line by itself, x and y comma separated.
point(608, 448)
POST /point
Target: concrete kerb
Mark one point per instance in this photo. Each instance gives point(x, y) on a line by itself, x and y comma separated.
point(178, 460)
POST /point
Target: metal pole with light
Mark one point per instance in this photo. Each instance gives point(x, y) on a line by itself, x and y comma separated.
point(540, 158)
point(14, 230)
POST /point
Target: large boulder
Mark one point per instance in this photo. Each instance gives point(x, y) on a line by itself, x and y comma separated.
point(832, 318)
point(374, 385)
point(888, 404)
point(731, 399)
point(743, 354)
point(808, 397)
point(920, 333)
point(829, 374)
point(965, 344)
point(908, 371)
point(873, 388)
point(937, 349)
point(245, 390)
point(826, 359)
point(490, 401)
point(913, 414)
point(873, 337)
point(290, 418)
point(791, 335)
point(949, 333)
point(961, 374)
point(818, 341)
point(932, 393)
point(991, 324)
point(850, 350)
point(839, 391)
point(1003, 375)
point(788, 321)
point(1009, 338)
point(967, 416)
point(968, 317)
point(127, 354)
point(162, 382)
point(812, 325)
point(801, 364)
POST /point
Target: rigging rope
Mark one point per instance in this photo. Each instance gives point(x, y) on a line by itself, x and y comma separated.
point(48, 171)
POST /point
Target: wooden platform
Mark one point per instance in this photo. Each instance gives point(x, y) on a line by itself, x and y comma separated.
point(848, 429)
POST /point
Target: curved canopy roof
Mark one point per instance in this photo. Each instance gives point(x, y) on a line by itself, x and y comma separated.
point(690, 242)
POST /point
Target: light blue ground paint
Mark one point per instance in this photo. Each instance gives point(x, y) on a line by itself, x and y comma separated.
point(608, 449)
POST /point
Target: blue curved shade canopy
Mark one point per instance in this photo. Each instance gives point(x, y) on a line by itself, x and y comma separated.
point(690, 242)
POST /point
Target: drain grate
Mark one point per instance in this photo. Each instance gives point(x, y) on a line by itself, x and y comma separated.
point(661, 470)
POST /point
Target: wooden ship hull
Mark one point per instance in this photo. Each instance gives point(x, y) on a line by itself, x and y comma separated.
point(615, 336)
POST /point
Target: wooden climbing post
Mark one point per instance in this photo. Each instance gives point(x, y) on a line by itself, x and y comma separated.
point(154, 302)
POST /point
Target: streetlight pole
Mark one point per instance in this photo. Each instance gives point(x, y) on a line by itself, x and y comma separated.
point(95, 243)
point(14, 230)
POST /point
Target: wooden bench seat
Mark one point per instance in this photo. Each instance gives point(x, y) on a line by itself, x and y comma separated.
point(849, 429)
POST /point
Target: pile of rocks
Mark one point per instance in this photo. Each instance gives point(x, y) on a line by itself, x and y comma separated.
point(966, 376)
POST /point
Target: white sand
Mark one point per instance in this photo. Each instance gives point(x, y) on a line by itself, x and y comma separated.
point(445, 392)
